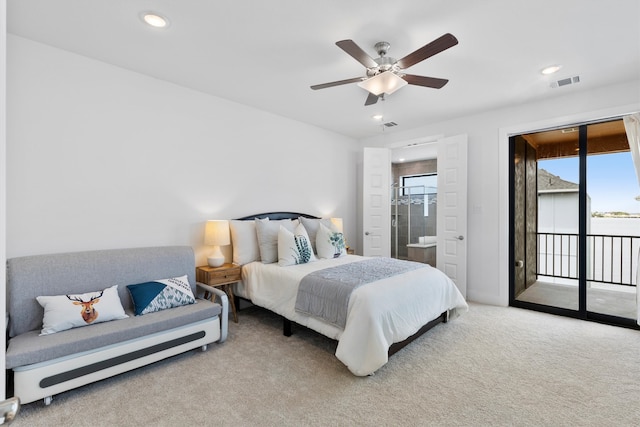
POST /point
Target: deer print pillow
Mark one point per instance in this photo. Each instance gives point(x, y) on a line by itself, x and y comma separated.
point(62, 312)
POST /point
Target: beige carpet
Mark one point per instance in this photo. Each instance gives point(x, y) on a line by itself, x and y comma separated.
point(494, 366)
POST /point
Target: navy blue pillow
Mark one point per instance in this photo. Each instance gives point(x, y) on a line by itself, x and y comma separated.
point(159, 295)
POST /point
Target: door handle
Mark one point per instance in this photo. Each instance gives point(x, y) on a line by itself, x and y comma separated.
point(366, 233)
point(460, 237)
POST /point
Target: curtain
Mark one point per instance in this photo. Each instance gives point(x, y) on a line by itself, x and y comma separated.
point(632, 127)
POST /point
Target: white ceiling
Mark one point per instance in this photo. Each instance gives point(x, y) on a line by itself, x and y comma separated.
point(266, 54)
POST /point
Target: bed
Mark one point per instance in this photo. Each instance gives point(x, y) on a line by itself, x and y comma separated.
point(379, 317)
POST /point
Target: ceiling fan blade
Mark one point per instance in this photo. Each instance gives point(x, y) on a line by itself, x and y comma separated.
point(357, 53)
point(336, 83)
point(438, 45)
point(371, 99)
point(425, 81)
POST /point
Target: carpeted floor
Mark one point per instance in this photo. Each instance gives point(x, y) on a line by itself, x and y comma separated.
point(494, 366)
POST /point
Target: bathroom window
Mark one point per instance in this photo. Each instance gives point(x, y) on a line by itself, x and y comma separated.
point(422, 189)
point(420, 184)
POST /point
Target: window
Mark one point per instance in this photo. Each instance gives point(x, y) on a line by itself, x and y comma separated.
point(421, 189)
point(419, 184)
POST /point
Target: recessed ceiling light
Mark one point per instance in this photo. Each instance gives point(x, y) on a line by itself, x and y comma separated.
point(155, 20)
point(550, 69)
point(377, 117)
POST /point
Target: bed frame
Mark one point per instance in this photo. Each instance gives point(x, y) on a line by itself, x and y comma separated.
point(287, 325)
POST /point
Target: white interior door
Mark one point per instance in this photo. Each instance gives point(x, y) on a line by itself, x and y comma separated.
point(376, 202)
point(451, 255)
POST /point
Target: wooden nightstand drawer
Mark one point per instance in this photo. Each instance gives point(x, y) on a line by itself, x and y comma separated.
point(226, 275)
point(213, 276)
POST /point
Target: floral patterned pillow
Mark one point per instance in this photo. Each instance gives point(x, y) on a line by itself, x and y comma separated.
point(330, 243)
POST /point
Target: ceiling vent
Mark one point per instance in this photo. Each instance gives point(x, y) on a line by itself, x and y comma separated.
point(565, 82)
point(390, 124)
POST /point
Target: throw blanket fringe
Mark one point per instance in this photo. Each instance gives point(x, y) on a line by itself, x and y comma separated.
point(325, 293)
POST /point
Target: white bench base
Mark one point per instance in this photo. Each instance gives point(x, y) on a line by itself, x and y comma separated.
point(43, 380)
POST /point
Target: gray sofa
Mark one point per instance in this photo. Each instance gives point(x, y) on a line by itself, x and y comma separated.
point(49, 364)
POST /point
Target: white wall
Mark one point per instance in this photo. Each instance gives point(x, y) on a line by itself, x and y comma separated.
point(558, 212)
point(487, 210)
point(3, 181)
point(101, 157)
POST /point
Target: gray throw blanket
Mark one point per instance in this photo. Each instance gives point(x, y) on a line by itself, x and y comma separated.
point(325, 293)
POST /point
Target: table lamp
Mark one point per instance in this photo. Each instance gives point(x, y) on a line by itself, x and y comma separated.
point(216, 234)
point(337, 223)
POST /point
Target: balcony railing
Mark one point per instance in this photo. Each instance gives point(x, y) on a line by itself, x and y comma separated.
point(610, 259)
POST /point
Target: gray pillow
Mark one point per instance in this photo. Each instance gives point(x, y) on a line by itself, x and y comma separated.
point(267, 232)
point(312, 225)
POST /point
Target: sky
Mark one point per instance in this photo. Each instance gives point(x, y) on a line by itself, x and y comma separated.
point(612, 183)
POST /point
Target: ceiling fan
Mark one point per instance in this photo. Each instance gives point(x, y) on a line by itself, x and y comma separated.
point(384, 74)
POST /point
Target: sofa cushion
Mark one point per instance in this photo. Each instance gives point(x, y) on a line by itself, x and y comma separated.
point(29, 348)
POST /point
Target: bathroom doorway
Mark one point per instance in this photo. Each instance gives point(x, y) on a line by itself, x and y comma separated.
point(414, 210)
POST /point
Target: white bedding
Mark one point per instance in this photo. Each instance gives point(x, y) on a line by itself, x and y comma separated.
point(379, 314)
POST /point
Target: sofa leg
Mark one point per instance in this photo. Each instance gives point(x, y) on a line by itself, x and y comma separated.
point(204, 347)
point(47, 400)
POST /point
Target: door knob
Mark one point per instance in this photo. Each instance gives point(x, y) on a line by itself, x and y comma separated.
point(460, 237)
point(366, 233)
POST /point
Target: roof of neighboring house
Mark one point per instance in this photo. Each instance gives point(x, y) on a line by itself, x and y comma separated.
point(547, 182)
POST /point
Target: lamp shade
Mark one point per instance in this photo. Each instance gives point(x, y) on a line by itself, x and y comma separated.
point(337, 223)
point(387, 82)
point(216, 233)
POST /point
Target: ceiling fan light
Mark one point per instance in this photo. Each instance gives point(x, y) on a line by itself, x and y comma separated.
point(155, 20)
point(387, 82)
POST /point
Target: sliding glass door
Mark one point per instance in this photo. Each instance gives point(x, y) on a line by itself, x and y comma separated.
point(614, 224)
point(575, 228)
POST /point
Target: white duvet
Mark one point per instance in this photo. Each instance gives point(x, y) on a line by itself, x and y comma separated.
point(379, 313)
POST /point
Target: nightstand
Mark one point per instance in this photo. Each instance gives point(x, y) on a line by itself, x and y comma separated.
point(223, 277)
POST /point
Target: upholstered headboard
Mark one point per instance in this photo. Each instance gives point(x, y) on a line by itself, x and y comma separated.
point(277, 215)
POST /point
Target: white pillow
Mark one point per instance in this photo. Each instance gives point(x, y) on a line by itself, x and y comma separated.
point(245, 241)
point(267, 232)
point(329, 243)
point(62, 312)
point(311, 225)
point(294, 248)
